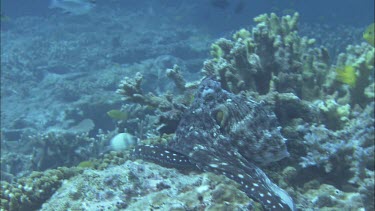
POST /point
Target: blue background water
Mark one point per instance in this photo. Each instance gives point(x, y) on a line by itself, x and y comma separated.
point(333, 12)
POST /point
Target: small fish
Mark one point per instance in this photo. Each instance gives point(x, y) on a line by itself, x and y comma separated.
point(117, 114)
point(4, 17)
point(222, 4)
point(347, 75)
point(123, 141)
point(75, 7)
point(368, 34)
point(86, 164)
point(240, 7)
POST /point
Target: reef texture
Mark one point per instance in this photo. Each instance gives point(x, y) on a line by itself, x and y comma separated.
point(228, 134)
point(51, 150)
point(270, 57)
point(266, 89)
point(32, 191)
point(328, 123)
point(141, 186)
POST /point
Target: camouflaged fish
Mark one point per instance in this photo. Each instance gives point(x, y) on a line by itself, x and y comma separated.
point(227, 134)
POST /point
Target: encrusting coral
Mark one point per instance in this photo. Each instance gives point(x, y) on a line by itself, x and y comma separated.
point(31, 192)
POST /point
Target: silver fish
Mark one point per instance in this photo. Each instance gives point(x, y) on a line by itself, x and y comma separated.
point(75, 7)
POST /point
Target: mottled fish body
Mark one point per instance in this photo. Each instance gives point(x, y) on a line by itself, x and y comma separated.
point(163, 156)
point(76, 7)
point(227, 134)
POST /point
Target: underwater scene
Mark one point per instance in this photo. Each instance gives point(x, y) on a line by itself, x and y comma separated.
point(187, 105)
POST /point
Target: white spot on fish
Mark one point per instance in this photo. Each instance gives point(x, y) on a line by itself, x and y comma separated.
point(213, 165)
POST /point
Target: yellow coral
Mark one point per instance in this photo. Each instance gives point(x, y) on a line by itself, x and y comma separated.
point(216, 51)
point(347, 75)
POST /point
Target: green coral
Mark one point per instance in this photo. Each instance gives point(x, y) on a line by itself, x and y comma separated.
point(216, 51)
point(242, 34)
point(31, 192)
point(335, 115)
point(272, 57)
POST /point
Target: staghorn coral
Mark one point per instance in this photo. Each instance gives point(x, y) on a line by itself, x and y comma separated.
point(168, 107)
point(175, 75)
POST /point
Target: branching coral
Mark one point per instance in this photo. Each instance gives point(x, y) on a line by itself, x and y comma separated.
point(271, 56)
point(169, 107)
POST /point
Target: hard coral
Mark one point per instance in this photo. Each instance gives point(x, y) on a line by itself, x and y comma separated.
point(270, 57)
point(32, 191)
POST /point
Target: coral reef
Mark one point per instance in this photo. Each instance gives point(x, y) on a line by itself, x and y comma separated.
point(361, 58)
point(230, 135)
point(168, 107)
point(53, 149)
point(324, 120)
point(325, 114)
point(140, 186)
point(272, 57)
point(32, 191)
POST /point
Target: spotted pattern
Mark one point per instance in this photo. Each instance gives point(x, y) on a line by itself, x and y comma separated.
point(234, 143)
point(163, 156)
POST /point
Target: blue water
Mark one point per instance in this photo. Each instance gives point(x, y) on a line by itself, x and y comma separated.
point(329, 12)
